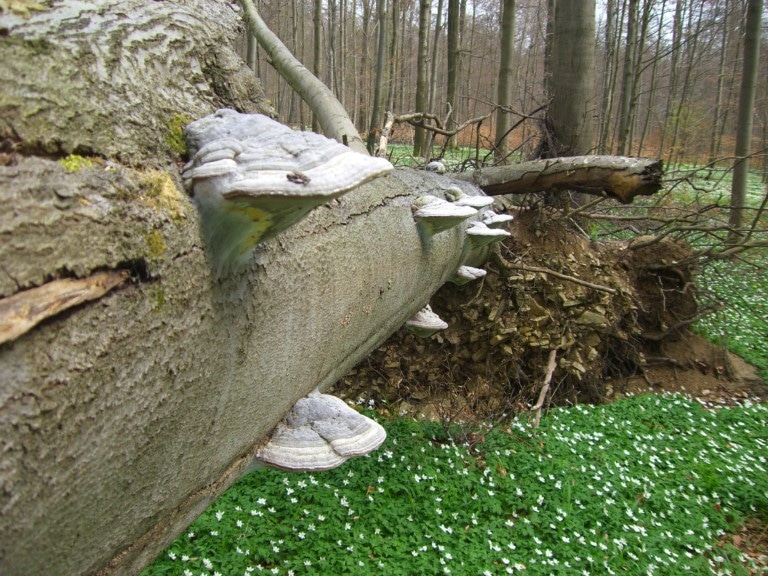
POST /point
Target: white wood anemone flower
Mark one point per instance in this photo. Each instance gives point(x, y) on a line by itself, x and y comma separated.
point(252, 178)
point(320, 432)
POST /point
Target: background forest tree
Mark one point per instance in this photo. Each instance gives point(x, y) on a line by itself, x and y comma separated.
point(667, 73)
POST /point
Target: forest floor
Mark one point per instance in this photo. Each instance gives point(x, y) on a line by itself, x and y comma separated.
point(622, 327)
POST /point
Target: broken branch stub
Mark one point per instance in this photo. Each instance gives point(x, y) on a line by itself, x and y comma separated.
point(252, 177)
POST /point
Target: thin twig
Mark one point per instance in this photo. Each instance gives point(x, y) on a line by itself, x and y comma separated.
point(544, 387)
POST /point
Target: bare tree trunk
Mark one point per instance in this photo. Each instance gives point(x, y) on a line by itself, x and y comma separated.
point(420, 135)
point(317, 59)
point(453, 55)
point(628, 77)
point(378, 89)
point(506, 78)
point(746, 112)
point(571, 110)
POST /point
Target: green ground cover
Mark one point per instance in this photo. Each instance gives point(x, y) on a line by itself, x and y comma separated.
point(648, 485)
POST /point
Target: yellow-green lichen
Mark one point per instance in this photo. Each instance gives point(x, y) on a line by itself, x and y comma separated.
point(174, 136)
point(160, 191)
point(155, 245)
point(75, 163)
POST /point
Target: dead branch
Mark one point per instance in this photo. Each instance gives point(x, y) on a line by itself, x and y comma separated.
point(544, 387)
point(25, 310)
point(499, 259)
point(619, 177)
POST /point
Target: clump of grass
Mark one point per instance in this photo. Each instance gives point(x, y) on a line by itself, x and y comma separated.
point(648, 485)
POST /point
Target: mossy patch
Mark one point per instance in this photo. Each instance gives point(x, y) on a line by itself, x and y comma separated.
point(75, 163)
point(155, 245)
point(174, 136)
point(160, 191)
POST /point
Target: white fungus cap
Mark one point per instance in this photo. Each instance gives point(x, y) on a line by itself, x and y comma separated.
point(479, 235)
point(467, 274)
point(425, 323)
point(459, 198)
point(438, 215)
point(435, 166)
point(252, 177)
point(320, 432)
point(493, 220)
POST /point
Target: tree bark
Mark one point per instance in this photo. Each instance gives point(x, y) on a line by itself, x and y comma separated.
point(571, 83)
point(420, 136)
point(618, 177)
point(506, 79)
point(746, 111)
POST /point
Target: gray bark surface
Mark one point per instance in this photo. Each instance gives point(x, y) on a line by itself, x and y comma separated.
point(89, 79)
point(122, 418)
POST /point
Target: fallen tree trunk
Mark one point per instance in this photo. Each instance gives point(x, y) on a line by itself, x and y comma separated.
point(123, 417)
point(616, 176)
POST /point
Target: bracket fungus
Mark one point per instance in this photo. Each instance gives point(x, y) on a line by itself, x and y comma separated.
point(252, 178)
point(437, 215)
point(479, 235)
point(425, 323)
point(435, 166)
point(320, 433)
point(459, 198)
point(466, 274)
point(493, 220)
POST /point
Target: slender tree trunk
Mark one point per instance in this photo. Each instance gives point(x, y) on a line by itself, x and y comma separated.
point(609, 76)
point(654, 78)
point(435, 56)
point(674, 67)
point(506, 78)
point(746, 111)
point(453, 53)
point(317, 27)
point(627, 77)
point(714, 143)
point(419, 139)
point(378, 88)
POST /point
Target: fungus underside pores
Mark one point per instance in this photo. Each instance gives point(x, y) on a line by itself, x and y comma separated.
point(252, 177)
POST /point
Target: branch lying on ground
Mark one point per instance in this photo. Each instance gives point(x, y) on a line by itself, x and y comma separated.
point(619, 177)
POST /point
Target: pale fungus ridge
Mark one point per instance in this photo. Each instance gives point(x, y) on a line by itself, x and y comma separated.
point(438, 215)
point(425, 323)
point(252, 177)
point(459, 198)
point(466, 274)
point(320, 433)
point(493, 220)
point(479, 235)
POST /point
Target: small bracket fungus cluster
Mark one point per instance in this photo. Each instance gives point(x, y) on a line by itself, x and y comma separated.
point(425, 323)
point(252, 178)
point(437, 215)
point(320, 433)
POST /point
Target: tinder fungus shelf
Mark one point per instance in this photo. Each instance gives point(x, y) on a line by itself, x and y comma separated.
point(252, 178)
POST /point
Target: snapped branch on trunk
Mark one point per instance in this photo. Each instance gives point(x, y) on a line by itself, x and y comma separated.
point(619, 177)
point(333, 118)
